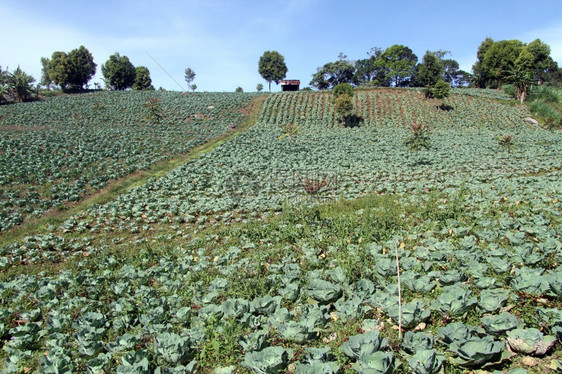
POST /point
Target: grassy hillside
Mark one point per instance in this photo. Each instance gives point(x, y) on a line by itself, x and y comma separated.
point(276, 251)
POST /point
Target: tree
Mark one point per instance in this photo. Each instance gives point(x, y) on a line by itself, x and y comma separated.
point(495, 59)
point(142, 79)
point(82, 67)
point(259, 87)
point(399, 63)
point(59, 69)
point(453, 75)
point(239, 89)
point(272, 67)
point(543, 64)
point(368, 72)
point(497, 62)
point(20, 85)
point(365, 71)
point(189, 76)
point(481, 77)
point(73, 69)
point(522, 74)
point(193, 87)
point(429, 71)
point(45, 78)
point(3, 85)
point(332, 74)
point(118, 72)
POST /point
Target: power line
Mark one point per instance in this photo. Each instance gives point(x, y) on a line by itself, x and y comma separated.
point(180, 86)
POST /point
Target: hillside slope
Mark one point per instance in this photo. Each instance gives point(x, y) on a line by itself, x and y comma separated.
point(274, 253)
point(262, 169)
point(56, 151)
point(391, 107)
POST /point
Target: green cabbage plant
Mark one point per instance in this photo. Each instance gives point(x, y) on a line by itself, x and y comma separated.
point(530, 341)
point(500, 323)
point(477, 351)
point(363, 344)
point(417, 341)
point(268, 361)
point(455, 301)
point(426, 362)
point(317, 360)
point(375, 363)
point(323, 291)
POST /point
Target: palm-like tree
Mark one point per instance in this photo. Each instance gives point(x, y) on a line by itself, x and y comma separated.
point(522, 79)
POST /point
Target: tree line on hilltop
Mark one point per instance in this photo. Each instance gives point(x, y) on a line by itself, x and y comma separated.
point(498, 62)
point(505, 61)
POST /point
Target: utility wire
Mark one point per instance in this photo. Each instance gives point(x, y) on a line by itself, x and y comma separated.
point(180, 86)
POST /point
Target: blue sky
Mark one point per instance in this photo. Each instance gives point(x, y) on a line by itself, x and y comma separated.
point(222, 40)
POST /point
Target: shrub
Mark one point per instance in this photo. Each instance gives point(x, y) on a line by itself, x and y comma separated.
point(509, 89)
point(342, 98)
point(419, 138)
point(441, 90)
point(342, 89)
point(546, 111)
point(18, 85)
point(343, 106)
point(506, 141)
point(545, 94)
point(154, 110)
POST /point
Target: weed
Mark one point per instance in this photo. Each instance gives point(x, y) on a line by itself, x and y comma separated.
point(506, 142)
point(312, 186)
point(154, 110)
point(291, 130)
point(419, 138)
point(221, 344)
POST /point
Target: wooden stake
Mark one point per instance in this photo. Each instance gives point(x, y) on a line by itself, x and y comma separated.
point(399, 293)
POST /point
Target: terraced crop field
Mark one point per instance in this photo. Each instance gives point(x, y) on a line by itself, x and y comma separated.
point(278, 252)
point(57, 151)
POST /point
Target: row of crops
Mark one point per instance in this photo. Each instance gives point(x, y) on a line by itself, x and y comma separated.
point(264, 301)
point(57, 150)
point(395, 108)
point(476, 227)
point(259, 172)
point(473, 284)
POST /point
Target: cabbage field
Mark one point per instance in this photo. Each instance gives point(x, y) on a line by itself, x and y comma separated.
point(277, 251)
point(56, 151)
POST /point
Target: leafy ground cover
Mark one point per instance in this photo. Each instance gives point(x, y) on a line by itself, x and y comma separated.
point(57, 151)
point(230, 263)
